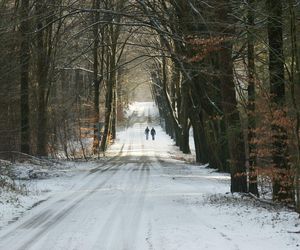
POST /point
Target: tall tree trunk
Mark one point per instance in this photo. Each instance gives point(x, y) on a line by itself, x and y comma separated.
point(282, 183)
point(236, 144)
point(111, 96)
point(200, 138)
point(42, 75)
point(44, 48)
point(251, 99)
point(294, 79)
point(108, 107)
point(233, 124)
point(174, 92)
point(114, 114)
point(172, 123)
point(24, 79)
point(109, 101)
point(217, 128)
point(96, 19)
point(184, 110)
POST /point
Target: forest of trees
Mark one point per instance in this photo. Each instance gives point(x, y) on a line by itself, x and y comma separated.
point(227, 70)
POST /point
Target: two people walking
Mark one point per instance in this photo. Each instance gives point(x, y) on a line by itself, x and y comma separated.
point(152, 132)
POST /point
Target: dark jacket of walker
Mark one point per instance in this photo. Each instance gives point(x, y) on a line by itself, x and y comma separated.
point(153, 132)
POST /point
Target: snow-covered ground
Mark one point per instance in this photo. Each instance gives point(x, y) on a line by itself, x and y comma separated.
point(142, 196)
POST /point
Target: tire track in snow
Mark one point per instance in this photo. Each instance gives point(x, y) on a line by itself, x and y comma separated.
point(99, 168)
point(110, 221)
point(53, 221)
point(37, 220)
point(136, 207)
point(125, 217)
point(45, 221)
point(149, 236)
point(109, 225)
point(42, 216)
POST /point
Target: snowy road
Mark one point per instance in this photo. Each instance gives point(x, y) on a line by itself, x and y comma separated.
point(109, 208)
point(141, 199)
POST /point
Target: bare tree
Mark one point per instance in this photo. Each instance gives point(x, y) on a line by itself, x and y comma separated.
point(24, 77)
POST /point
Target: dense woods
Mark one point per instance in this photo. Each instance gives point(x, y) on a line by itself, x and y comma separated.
point(226, 70)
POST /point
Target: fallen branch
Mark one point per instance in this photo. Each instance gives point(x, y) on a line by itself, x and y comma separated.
point(271, 203)
point(294, 232)
point(261, 200)
point(15, 155)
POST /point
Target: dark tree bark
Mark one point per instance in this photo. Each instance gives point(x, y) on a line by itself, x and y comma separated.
point(251, 99)
point(276, 59)
point(282, 183)
point(184, 116)
point(97, 80)
point(112, 62)
point(114, 113)
point(111, 83)
point(234, 133)
point(229, 103)
point(233, 126)
point(43, 37)
point(108, 108)
point(294, 79)
point(200, 138)
point(217, 128)
point(174, 86)
point(46, 42)
point(24, 79)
